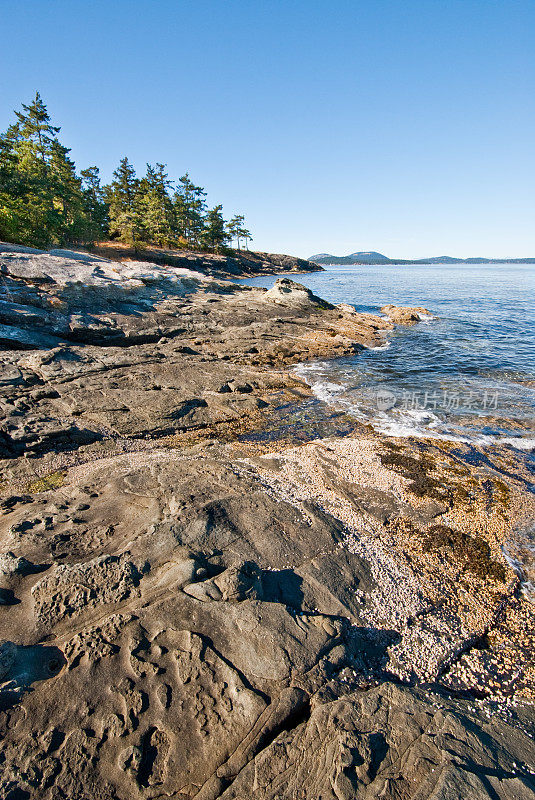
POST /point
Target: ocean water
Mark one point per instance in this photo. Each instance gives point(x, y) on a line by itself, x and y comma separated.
point(465, 373)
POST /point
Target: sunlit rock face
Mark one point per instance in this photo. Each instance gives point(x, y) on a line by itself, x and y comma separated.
point(187, 613)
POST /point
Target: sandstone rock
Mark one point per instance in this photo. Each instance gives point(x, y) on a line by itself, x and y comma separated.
point(214, 623)
point(405, 316)
point(346, 308)
point(203, 591)
point(289, 293)
point(12, 338)
point(7, 247)
point(242, 388)
point(7, 658)
point(390, 742)
point(71, 590)
point(239, 582)
point(11, 570)
point(15, 565)
point(20, 667)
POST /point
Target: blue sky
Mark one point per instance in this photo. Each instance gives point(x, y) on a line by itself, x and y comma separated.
point(404, 126)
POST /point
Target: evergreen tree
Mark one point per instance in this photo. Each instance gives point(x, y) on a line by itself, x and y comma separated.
point(156, 207)
point(40, 194)
point(70, 222)
point(233, 227)
point(247, 236)
point(236, 230)
point(44, 202)
point(123, 198)
point(37, 134)
point(190, 206)
point(215, 234)
point(96, 210)
point(15, 212)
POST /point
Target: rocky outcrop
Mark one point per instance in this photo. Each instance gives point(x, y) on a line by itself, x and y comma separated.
point(286, 292)
point(239, 652)
point(389, 742)
point(189, 609)
point(237, 263)
point(71, 590)
point(117, 348)
point(405, 316)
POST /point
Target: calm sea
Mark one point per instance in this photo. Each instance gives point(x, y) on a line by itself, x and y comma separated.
point(466, 373)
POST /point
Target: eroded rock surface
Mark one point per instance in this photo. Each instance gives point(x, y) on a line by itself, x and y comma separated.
point(192, 615)
point(140, 349)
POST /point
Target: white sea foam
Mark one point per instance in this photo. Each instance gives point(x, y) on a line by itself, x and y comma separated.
point(520, 443)
point(403, 423)
point(427, 425)
point(384, 346)
point(520, 555)
point(325, 390)
point(422, 417)
point(311, 366)
point(411, 423)
point(403, 428)
point(309, 370)
point(408, 424)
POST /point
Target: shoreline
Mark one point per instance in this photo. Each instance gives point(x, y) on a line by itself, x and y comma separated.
point(523, 442)
point(219, 600)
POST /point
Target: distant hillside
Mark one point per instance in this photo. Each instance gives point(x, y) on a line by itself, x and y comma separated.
point(371, 257)
point(368, 257)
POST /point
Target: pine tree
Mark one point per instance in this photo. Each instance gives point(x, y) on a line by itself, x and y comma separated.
point(40, 193)
point(237, 230)
point(43, 201)
point(123, 199)
point(233, 228)
point(245, 234)
point(95, 208)
point(215, 234)
point(26, 202)
point(14, 189)
point(37, 134)
point(69, 218)
point(156, 207)
point(190, 206)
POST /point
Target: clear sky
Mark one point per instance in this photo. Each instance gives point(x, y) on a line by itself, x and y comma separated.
point(404, 126)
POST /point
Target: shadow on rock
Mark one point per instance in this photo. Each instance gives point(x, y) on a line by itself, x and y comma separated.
point(282, 586)
point(7, 598)
point(22, 666)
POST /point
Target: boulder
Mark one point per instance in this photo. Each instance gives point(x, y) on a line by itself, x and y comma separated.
point(403, 315)
point(345, 308)
point(289, 293)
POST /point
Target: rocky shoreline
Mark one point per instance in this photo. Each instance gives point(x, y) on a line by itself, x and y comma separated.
point(233, 264)
point(191, 610)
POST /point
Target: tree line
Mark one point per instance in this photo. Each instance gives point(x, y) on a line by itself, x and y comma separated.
point(44, 202)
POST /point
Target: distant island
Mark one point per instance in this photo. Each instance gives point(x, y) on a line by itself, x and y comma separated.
point(371, 257)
